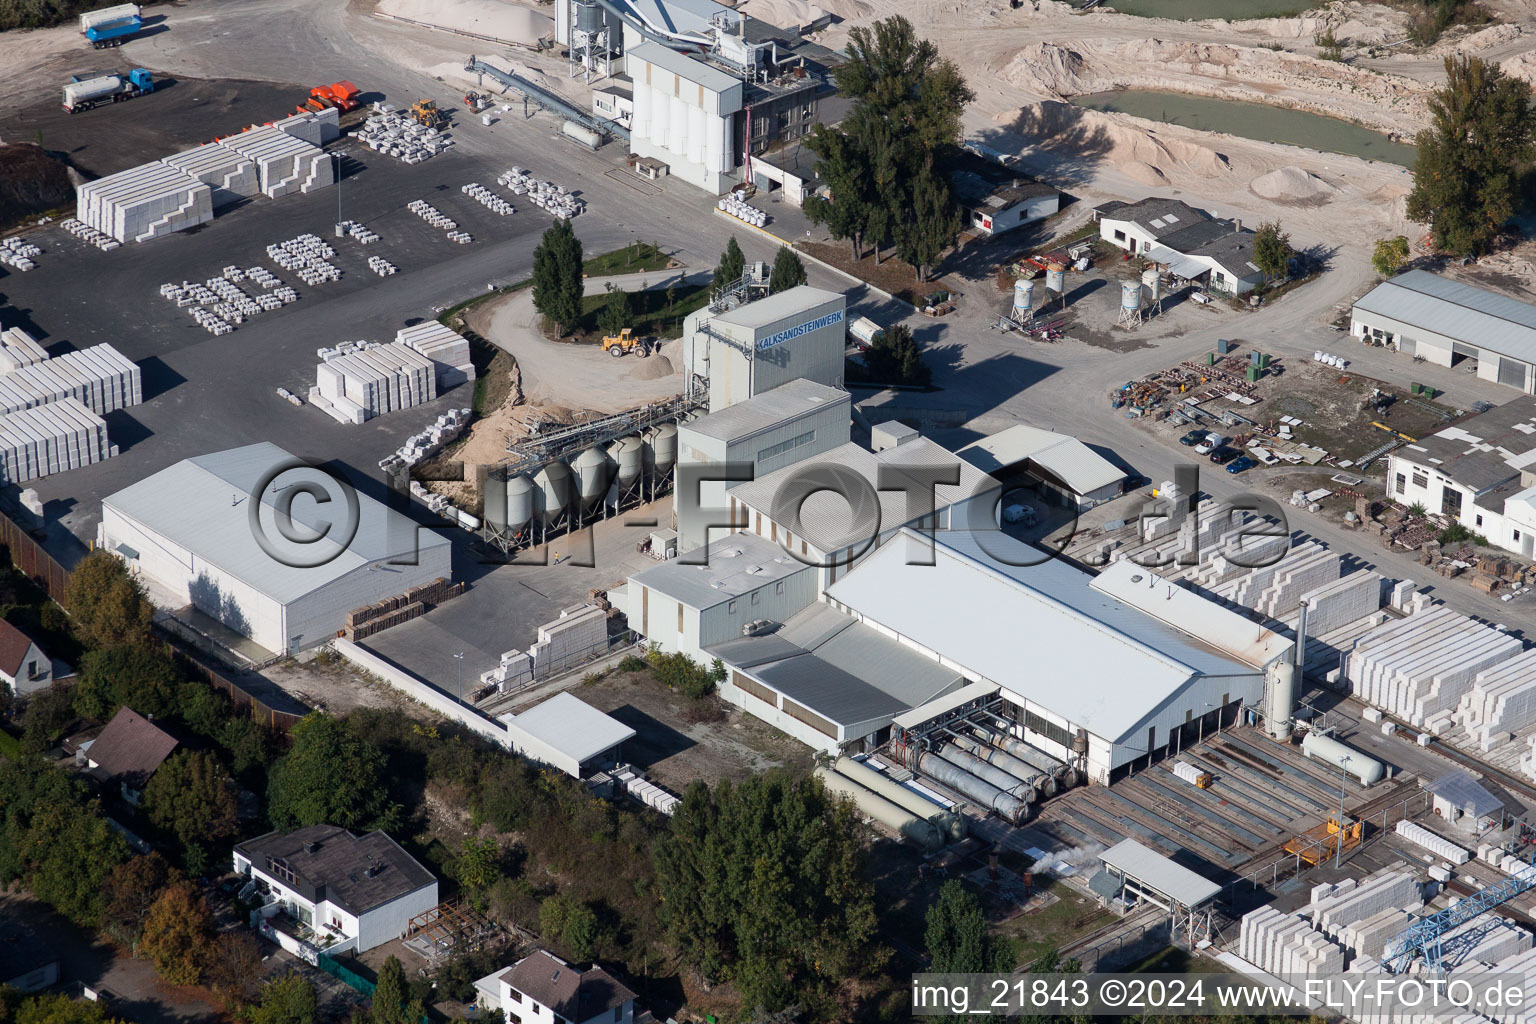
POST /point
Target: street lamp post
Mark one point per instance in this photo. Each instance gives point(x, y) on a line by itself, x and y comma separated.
point(460, 659)
point(338, 158)
point(1338, 837)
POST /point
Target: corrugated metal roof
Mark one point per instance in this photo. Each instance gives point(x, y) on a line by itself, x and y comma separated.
point(1464, 792)
point(800, 299)
point(571, 726)
point(768, 410)
point(834, 693)
point(1157, 872)
point(685, 67)
point(1458, 311)
point(1038, 628)
point(737, 563)
point(202, 505)
point(948, 702)
point(1063, 456)
point(1178, 264)
point(826, 519)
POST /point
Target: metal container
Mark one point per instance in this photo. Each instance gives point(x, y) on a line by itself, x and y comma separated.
point(1152, 281)
point(988, 796)
point(661, 448)
point(494, 502)
point(1056, 279)
point(1044, 783)
point(1065, 775)
point(628, 457)
point(589, 16)
point(519, 501)
point(586, 136)
point(889, 788)
point(923, 834)
point(1325, 748)
point(551, 492)
point(1130, 294)
point(1003, 780)
point(1023, 295)
point(76, 93)
point(591, 469)
point(1279, 699)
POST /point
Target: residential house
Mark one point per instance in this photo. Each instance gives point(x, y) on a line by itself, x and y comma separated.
point(347, 892)
point(1188, 245)
point(996, 198)
point(128, 751)
point(27, 963)
point(543, 989)
point(23, 665)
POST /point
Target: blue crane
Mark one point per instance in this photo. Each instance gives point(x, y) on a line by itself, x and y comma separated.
point(1427, 937)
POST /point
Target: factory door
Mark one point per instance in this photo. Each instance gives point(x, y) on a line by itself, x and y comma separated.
point(1512, 372)
point(1461, 350)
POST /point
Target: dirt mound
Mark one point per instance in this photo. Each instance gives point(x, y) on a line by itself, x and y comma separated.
point(31, 181)
point(1120, 141)
point(1050, 68)
point(508, 22)
point(1521, 66)
point(652, 368)
point(792, 13)
point(1292, 184)
point(1144, 173)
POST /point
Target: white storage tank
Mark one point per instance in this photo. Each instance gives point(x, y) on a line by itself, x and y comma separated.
point(1056, 279)
point(519, 494)
point(1325, 748)
point(494, 502)
point(1023, 296)
point(628, 457)
point(551, 491)
point(661, 448)
point(586, 136)
point(1130, 295)
point(591, 471)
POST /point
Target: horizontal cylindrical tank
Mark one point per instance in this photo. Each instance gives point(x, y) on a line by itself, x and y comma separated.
point(1023, 295)
point(1065, 775)
point(586, 136)
point(592, 474)
point(661, 448)
point(519, 498)
point(628, 457)
point(1043, 782)
point(1130, 294)
point(76, 93)
point(923, 834)
point(90, 19)
point(887, 787)
point(1325, 748)
point(988, 796)
point(1003, 780)
point(551, 492)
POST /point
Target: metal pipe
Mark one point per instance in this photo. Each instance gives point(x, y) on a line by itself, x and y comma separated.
point(1065, 774)
point(1011, 808)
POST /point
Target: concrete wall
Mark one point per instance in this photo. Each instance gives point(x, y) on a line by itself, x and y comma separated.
point(420, 690)
point(389, 922)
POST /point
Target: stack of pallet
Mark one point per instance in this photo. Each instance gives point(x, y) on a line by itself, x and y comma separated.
point(579, 633)
point(1420, 665)
point(18, 349)
point(100, 378)
point(448, 351)
point(49, 439)
point(373, 381)
point(1287, 945)
point(1418, 835)
point(1502, 699)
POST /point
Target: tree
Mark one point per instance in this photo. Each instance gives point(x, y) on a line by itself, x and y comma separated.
point(51, 1008)
point(141, 676)
point(788, 272)
point(732, 263)
point(177, 933)
point(845, 211)
point(895, 358)
point(557, 279)
point(108, 604)
point(763, 884)
point(1272, 250)
point(478, 867)
point(330, 777)
point(128, 892)
point(234, 969)
point(1466, 177)
point(70, 850)
point(571, 923)
point(616, 313)
point(934, 226)
point(957, 938)
point(1390, 255)
point(192, 797)
point(289, 999)
point(390, 994)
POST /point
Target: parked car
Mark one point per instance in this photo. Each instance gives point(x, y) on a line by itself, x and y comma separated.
point(1241, 463)
point(1210, 444)
point(1192, 438)
point(1223, 455)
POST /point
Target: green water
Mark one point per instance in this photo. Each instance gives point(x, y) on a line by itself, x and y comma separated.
point(1253, 121)
point(1198, 10)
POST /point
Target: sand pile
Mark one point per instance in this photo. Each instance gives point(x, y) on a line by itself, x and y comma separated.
point(1144, 173)
point(793, 13)
point(1521, 66)
point(652, 367)
point(509, 22)
point(1292, 185)
point(1051, 68)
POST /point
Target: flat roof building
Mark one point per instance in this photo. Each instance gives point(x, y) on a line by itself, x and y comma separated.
point(567, 733)
point(1447, 322)
point(752, 348)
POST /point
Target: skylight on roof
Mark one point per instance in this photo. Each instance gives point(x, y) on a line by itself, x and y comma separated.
point(1158, 222)
point(1171, 218)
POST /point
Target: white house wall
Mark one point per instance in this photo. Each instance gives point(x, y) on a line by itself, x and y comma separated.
point(1512, 528)
point(318, 615)
point(388, 922)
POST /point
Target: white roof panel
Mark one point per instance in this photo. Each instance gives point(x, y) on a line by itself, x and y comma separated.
point(570, 726)
point(1064, 457)
point(1462, 312)
point(1157, 872)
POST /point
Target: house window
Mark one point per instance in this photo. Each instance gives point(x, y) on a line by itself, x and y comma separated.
point(1450, 502)
point(1119, 236)
point(754, 597)
point(517, 996)
point(32, 672)
point(1517, 535)
point(730, 607)
point(778, 588)
point(1420, 480)
point(618, 1014)
point(1402, 484)
point(1479, 520)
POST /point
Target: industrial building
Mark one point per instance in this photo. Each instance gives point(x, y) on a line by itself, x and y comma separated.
point(569, 734)
point(1064, 470)
point(997, 199)
point(751, 348)
point(1188, 245)
point(192, 533)
point(793, 422)
point(1480, 473)
point(1448, 322)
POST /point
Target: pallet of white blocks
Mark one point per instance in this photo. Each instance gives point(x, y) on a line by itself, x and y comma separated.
point(448, 351)
point(513, 673)
point(18, 349)
point(374, 381)
point(1276, 588)
point(1385, 889)
point(1370, 936)
point(1419, 665)
point(51, 438)
point(575, 636)
point(1502, 699)
point(1336, 604)
point(1286, 944)
point(1418, 835)
point(100, 377)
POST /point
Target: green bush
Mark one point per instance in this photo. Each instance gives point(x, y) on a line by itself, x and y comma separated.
point(680, 672)
point(1456, 533)
point(630, 663)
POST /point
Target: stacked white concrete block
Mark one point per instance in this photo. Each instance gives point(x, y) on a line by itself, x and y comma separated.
point(144, 202)
point(513, 673)
point(393, 134)
point(1276, 588)
point(1420, 665)
point(448, 351)
point(1349, 599)
point(1188, 772)
point(284, 163)
point(18, 349)
point(575, 636)
point(1382, 891)
point(1287, 945)
point(1494, 939)
point(1502, 699)
point(428, 442)
point(1418, 835)
point(1369, 937)
point(101, 378)
point(314, 127)
point(546, 195)
point(232, 175)
point(376, 380)
point(19, 253)
point(88, 234)
point(51, 438)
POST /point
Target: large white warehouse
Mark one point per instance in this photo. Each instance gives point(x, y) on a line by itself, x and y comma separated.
point(188, 532)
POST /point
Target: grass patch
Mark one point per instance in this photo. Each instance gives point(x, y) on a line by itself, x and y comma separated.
point(10, 746)
point(635, 258)
point(652, 316)
point(1072, 916)
point(448, 315)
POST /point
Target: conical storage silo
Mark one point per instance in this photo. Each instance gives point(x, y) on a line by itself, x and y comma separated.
point(1023, 297)
point(590, 469)
point(494, 501)
point(661, 449)
point(519, 501)
point(628, 457)
point(551, 492)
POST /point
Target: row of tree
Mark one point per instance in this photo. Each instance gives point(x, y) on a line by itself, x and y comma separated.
point(788, 270)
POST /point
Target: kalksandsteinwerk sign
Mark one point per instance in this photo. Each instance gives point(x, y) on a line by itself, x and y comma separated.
point(791, 333)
